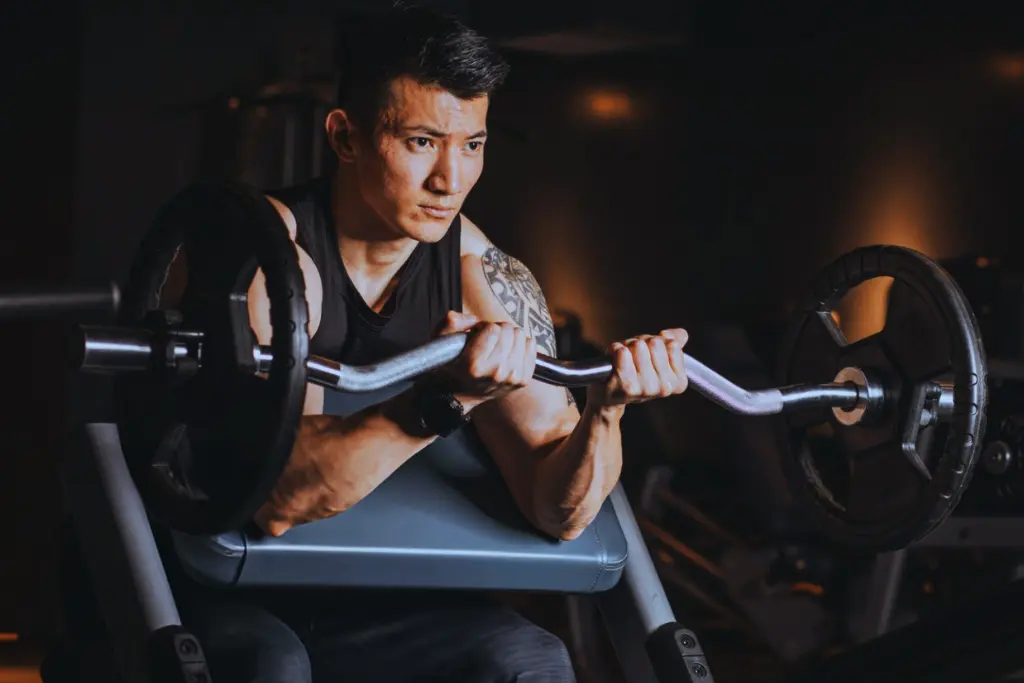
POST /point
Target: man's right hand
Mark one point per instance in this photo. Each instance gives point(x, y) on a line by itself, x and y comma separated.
point(498, 359)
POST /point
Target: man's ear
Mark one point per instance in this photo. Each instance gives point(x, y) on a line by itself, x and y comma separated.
point(341, 134)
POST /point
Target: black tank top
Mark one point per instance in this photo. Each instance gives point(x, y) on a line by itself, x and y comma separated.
point(429, 285)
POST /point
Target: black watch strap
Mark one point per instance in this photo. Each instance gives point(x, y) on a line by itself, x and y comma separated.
point(437, 409)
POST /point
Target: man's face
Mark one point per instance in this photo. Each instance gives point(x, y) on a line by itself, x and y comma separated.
point(425, 155)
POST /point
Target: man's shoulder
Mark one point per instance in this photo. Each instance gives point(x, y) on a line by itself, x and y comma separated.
point(299, 202)
point(474, 243)
point(286, 215)
point(494, 281)
point(477, 251)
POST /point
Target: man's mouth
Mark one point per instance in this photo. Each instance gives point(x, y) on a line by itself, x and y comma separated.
point(437, 211)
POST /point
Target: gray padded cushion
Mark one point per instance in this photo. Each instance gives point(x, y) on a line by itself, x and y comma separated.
point(445, 519)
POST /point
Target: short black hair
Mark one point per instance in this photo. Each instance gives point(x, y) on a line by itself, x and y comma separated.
point(429, 46)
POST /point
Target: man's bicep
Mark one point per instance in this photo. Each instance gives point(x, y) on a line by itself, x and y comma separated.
point(498, 287)
point(517, 291)
point(514, 286)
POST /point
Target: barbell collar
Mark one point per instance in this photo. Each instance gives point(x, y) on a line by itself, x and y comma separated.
point(111, 350)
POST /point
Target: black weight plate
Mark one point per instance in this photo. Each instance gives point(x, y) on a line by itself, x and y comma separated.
point(206, 451)
point(858, 485)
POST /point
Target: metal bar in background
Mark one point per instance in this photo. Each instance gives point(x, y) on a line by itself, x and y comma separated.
point(117, 542)
point(57, 300)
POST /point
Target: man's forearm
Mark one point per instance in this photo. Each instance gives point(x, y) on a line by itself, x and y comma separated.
point(338, 461)
point(576, 477)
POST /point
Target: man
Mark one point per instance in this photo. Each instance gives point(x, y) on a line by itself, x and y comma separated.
point(389, 263)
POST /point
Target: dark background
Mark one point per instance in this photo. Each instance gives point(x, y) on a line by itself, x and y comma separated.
point(655, 163)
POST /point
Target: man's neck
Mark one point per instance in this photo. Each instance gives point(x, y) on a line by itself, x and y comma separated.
point(370, 250)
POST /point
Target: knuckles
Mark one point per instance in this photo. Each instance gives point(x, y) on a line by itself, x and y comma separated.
point(636, 361)
point(496, 354)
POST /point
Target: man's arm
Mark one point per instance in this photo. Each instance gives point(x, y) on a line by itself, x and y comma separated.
point(559, 465)
point(335, 461)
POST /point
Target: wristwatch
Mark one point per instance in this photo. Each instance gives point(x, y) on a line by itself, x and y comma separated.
point(437, 409)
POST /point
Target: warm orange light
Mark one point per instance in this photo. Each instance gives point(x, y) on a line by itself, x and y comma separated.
point(900, 205)
point(569, 284)
point(982, 262)
point(8, 637)
point(864, 308)
point(608, 105)
point(565, 286)
point(807, 588)
point(234, 103)
point(1010, 67)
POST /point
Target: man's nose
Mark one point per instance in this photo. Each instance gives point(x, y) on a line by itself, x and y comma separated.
point(446, 177)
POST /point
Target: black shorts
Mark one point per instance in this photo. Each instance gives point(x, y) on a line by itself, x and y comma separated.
point(371, 637)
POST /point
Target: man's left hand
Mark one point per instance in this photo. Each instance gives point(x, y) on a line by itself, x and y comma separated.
point(644, 368)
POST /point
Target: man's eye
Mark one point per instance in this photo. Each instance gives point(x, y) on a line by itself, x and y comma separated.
point(421, 142)
point(474, 146)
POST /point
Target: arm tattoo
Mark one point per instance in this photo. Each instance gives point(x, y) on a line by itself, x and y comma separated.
point(521, 296)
